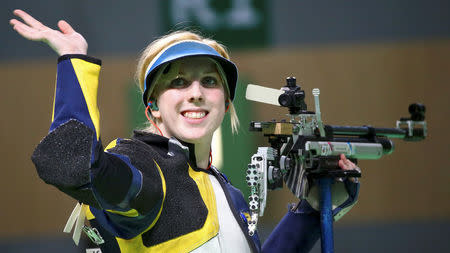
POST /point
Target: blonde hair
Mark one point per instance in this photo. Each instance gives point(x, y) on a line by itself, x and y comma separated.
point(154, 48)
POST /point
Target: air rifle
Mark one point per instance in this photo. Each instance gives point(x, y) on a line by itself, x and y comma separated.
point(303, 149)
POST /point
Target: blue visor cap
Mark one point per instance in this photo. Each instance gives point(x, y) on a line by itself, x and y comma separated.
point(188, 49)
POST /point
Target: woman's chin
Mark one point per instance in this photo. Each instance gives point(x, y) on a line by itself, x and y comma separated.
point(195, 138)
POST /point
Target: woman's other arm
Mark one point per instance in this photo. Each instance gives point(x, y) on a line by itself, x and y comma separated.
point(71, 156)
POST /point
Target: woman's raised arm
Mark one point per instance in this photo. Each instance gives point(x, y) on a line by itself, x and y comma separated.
point(65, 41)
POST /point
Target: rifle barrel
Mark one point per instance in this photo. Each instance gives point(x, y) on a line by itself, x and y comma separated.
point(367, 131)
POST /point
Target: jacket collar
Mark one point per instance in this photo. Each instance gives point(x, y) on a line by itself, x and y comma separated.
point(170, 145)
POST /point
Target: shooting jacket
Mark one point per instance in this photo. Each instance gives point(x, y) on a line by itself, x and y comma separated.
point(145, 193)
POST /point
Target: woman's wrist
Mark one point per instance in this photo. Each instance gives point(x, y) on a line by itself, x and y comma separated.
point(80, 56)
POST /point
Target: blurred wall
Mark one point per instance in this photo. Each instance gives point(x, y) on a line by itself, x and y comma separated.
point(360, 84)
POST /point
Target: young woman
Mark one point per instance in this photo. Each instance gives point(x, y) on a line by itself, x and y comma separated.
point(156, 191)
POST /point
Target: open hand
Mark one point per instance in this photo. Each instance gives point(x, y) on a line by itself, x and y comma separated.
point(65, 41)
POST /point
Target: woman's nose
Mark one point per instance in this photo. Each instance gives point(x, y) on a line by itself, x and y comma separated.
point(195, 92)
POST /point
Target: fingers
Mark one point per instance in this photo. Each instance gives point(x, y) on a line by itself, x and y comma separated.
point(29, 20)
point(66, 41)
point(346, 164)
point(14, 22)
point(31, 29)
point(342, 156)
point(65, 27)
point(26, 31)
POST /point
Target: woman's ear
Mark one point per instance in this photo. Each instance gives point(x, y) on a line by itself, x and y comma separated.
point(156, 114)
point(154, 109)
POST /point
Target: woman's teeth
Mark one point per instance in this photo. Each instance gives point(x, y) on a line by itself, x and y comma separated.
point(194, 115)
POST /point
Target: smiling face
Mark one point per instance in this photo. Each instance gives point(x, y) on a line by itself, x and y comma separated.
point(191, 100)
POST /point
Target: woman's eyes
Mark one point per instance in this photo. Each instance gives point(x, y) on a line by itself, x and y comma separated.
point(179, 82)
point(207, 82)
